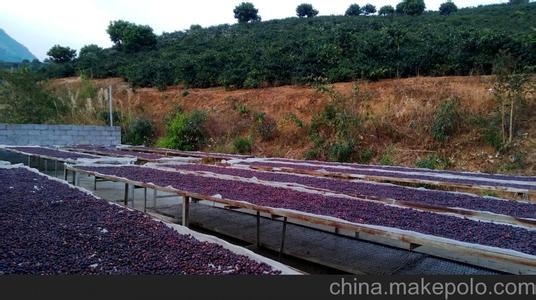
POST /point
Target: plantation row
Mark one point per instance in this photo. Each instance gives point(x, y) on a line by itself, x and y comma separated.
point(319, 49)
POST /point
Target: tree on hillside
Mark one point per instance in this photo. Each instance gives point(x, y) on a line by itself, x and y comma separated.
point(353, 10)
point(246, 12)
point(131, 37)
point(518, 2)
point(447, 8)
point(411, 7)
point(306, 10)
point(60, 54)
point(89, 59)
point(368, 9)
point(386, 10)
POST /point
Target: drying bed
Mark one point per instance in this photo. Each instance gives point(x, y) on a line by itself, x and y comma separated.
point(408, 169)
point(49, 227)
point(113, 151)
point(343, 208)
point(51, 153)
point(173, 152)
point(415, 175)
point(370, 189)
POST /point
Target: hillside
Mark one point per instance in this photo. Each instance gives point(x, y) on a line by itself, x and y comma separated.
point(396, 118)
point(319, 49)
point(13, 51)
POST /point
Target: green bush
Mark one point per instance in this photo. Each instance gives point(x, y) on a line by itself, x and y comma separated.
point(265, 127)
point(366, 156)
point(341, 151)
point(386, 159)
point(311, 154)
point(433, 161)
point(517, 161)
point(139, 132)
point(186, 131)
point(243, 145)
point(446, 119)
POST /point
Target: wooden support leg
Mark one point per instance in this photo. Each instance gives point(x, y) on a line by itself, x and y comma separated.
point(144, 199)
point(258, 242)
point(185, 210)
point(283, 233)
point(125, 200)
point(132, 191)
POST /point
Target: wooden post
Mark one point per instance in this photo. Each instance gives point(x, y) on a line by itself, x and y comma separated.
point(258, 242)
point(185, 210)
point(283, 237)
point(125, 200)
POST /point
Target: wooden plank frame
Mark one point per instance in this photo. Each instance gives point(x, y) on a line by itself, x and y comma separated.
point(503, 260)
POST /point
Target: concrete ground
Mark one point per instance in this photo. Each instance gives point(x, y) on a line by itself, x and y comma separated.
point(315, 251)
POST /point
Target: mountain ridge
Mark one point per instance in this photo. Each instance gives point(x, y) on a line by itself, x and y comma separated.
point(13, 51)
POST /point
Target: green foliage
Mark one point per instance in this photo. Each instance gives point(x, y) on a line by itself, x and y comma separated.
point(518, 2)
point(366, 155)
point(265, 126)
point(353, 10)
point(368, 9)
point(186, 131)
point(87, 90)
point(447, 8)
point(326, 48)
point(517, 161)
point(311, 154)
point(386, 10)
point(490, 194)
point(335, 131)
point(446, 119)
point(131, 37)
point(243, 145)
point(433, 161)
point(246, 12)
point(24, 98)
point(59, 54)
point(139, 132)
point(411, 7)
point(387, 159)
point(306, 10)
point(294, 119)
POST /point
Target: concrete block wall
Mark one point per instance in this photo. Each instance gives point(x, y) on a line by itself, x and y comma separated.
point(60, 135)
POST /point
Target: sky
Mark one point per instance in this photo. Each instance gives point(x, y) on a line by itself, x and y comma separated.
point(39, 24)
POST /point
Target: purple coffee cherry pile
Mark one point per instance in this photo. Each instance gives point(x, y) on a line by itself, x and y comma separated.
point(368, 189)
point(47, 227)
point(368, 172)
point(52, 152)
point(461, 229)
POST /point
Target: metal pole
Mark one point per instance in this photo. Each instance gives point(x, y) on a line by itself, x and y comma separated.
point(110, 105)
